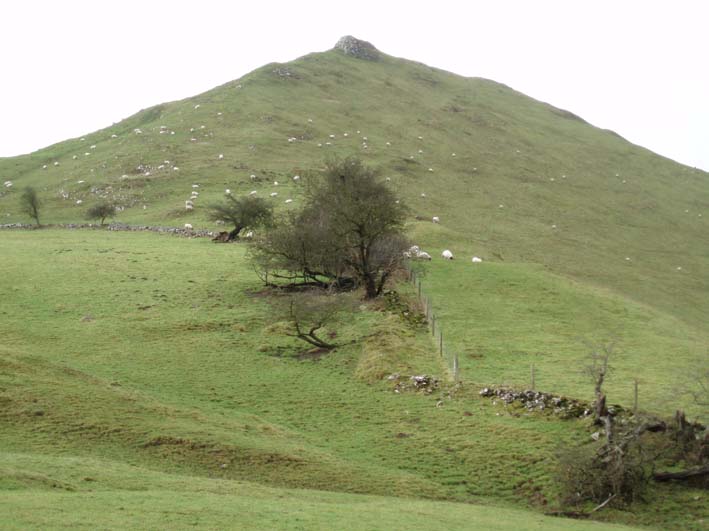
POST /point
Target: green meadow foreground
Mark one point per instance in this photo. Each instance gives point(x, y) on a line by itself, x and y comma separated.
point(145, 382)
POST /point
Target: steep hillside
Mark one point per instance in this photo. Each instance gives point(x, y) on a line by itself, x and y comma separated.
point(129, 354)
point(528, 182)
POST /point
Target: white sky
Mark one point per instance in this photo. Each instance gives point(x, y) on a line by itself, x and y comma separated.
point(640, 68)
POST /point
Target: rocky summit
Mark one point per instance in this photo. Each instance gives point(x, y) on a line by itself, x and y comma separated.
point(357, 48)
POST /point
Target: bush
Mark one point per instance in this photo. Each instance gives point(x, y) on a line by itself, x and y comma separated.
point(101, 212)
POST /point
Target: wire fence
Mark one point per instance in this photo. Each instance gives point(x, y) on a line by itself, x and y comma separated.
point(449, 356)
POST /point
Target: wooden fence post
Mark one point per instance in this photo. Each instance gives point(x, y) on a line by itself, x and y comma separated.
point(635, 397)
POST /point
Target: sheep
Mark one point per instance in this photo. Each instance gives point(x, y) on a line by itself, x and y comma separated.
point(423, 194)
point(74, 157)
point(8, 184)
point(221, 156)
point(188, 226)
point(195, 186)
point(79, 201)
point(447, 255)
point(194, 194)
point(137, 131)
point(44, 166)
point(275, 183)
point(253, 192)
point(452, 154)
point(310, 120)
point(388, 143)
point(274, 194)
point(288, 201)
point(196, 106)
point(296, 177)
point(414, 249)
point(189, 207)
point(477, 259)
point(436, 219)
point(332, 136)
point(252, 177)
point(93, 146)
point(430, 169)
point(176, 168)
point(219, 114)
point(227, 191)
point(56, 163)
point(249, 234)
point(423, 255)
point(87, 154)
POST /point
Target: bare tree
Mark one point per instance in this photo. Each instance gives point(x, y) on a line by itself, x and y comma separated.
point(597, 368)
point(310, 312)
point(30, 203)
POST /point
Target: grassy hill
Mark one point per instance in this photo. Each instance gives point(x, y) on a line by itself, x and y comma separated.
point(140, 354)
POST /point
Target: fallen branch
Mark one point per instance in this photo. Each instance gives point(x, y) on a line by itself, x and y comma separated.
point(683, 475)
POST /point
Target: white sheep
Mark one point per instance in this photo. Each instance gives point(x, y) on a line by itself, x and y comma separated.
point(249, 234)
point(176, 168)
point(74, 157)
point(436, 219)
point(447, 255)
point(56, 163)
point(196, 106)
point(275, 183)
point(188, 226)
point(79, 201)
point(477, 259)
point(221, 156)
point(288, 201)
point(114, 136)
point(253, 192)
point(296, 178)
point(44, 166)
point(195, 186)
point(227, 191)
point(423, 255)
point(8, 184)
point(274, 194)
point(252, 177)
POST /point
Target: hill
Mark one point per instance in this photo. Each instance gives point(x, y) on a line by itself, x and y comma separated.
point(160, 353)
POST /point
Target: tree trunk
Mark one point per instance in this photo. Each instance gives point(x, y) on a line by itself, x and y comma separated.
point(234, 234)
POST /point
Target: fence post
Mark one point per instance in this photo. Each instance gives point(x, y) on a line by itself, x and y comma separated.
point(635, 397)
point(433, 325)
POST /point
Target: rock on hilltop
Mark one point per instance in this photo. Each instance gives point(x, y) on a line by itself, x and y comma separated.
point(357, 48)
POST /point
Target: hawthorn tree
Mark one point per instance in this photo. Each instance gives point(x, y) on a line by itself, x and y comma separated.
point(349, 232)
point(243, 213)
point(30, 203)
point(101, 211)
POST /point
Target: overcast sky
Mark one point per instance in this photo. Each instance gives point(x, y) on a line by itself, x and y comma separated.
point(640, 68)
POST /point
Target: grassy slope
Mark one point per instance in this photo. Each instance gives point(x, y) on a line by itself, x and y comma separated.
point(174, 373)
point(98, 493)
point(508, 149)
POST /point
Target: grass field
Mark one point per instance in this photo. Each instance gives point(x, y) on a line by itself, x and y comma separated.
point(157, 367)
point(146, 361)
